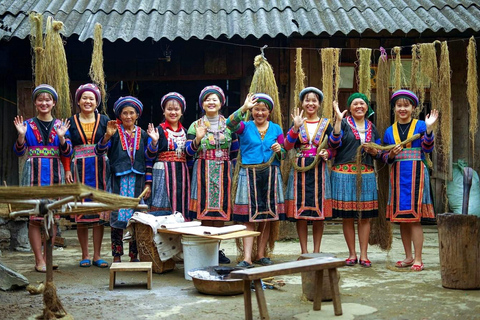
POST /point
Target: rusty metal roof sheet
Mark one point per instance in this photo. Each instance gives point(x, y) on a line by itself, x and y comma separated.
point(170, 19)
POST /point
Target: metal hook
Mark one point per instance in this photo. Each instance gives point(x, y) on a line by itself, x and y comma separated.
point(261, 50)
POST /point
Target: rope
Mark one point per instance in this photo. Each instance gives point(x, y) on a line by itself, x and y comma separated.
point(315, 162)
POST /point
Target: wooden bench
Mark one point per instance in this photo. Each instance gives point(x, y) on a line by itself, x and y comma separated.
point(318, 265)
point(131, 266)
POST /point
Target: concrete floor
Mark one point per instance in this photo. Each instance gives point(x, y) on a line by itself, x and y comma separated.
point(380, 292)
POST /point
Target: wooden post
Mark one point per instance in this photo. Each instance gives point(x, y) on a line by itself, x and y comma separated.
point(459, 245)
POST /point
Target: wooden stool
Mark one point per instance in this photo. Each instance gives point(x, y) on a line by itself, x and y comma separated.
point(131, 266)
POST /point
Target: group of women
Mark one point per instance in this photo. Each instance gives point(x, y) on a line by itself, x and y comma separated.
point(120, 157)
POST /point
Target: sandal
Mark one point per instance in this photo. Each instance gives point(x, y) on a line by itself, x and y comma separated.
point(100, 263)
point(351, 262)
point(365, 263)
point(42, 269)
point(417, 267)
point(403, 264)
point(85, 263)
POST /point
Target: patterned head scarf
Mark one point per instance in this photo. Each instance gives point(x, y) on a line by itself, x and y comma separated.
point(209, 90)
point(358, 95)
point(44, 88)
point(127, 101)
point(404, 94)
point(88, 87)
point(265, 98)
point(173, 96)
point(317, 91)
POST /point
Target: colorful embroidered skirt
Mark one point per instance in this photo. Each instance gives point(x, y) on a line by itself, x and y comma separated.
point(309, 194)
point(129, 185)
point(259, 195)
point(93, 171)
point(170, 187)
point(409, 198)
point(344, 192)
point(210, 190)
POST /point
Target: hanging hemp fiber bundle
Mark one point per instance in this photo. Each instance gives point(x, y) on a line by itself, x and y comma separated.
point(381, 229)
point(397, 70)
point(429, 70)
point(96, 71)
point(364, 74)
point(417, 83)
point(472, 91)
point(329, 63)
point(263, 81)
point(56, 64)
point(299, 79)
point(38, 47)
point(444, 103)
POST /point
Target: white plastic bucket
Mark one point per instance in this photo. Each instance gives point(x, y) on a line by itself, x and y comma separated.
point(199, 252)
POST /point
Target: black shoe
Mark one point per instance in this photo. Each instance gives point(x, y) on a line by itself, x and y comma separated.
point(222, 258)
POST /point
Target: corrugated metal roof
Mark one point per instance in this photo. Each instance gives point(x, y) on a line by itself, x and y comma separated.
point(156, 19)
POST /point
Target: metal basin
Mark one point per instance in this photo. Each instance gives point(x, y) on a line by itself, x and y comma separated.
point(208, 281)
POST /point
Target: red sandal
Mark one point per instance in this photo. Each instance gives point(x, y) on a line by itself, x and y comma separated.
point(351, 262)
point(365, 263)
point(417, 267)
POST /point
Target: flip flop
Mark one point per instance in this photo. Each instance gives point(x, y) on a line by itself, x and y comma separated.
point(417, 267)
point(42, 269)
point(85, 263)
point(403, 264)
point(135, 260)
point(100, 263)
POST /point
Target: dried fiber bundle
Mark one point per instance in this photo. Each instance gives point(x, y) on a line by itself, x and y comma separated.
point(53, 307)
point(429, 70)
point(417, 84)
point(397, 70)
point(364, 74)
point(330, 79)
point(96, 72)
point(383, 95)
point(38, 47)
point(299, 79)
point(444, 105)
point(472, 90)
point(56, 65)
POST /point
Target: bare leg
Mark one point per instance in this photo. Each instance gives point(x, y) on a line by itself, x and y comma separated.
point(248, 243)
point(82, 234)
point(264, 228)
point(97, 241)
point(417, 237)
point(318, 227)
point(363, 235)
point(349, 234)
point(302, 231)
point(406, 234)
point(35, 238)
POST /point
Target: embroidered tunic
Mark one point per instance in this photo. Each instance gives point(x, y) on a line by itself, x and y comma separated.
point(212, 171)
point(43, 166)
point(309, 193)
point(409, 197)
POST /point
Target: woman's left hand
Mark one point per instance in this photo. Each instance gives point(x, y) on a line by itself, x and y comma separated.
point(276, 147)
point(153, 133)
point(430, 120)
point(324, 154)
point(148, 191)
point(62, 128)
point(249, 103)
point(370, 150)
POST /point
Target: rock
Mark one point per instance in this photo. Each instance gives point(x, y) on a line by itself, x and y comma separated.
point(10, 280)
point(19, 235)
point(4, 234)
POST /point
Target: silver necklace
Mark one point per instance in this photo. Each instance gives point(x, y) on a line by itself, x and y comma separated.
point(406, 128)
point(43, 125)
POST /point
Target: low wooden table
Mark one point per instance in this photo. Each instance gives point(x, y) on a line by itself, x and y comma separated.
point(131, 266)
point(318, 265)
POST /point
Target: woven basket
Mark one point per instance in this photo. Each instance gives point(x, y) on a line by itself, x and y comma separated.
point(147, 250)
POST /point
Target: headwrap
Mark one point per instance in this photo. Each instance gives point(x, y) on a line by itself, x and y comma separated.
point(173, 96)
point(265, 98)
point(88, 87)
point(209, 90)
point(127, 101)
point(44, 88)
point(404, 94)
point(304, 92)
point(358, 95)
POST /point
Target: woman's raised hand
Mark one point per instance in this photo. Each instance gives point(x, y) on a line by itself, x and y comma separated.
point(153, 133)
point(430, 120)
point(62, 128)
point(297, 118)
point(111, 129)
point(200, 132)
point(249, 103)
point(338, 114)
point(20, 125)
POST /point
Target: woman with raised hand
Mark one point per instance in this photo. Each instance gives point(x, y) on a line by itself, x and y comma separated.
point(43, 139)
point(348, 135)
point(308, 196)
point(409, 200)
point(171, 179)
point(214, 148)
point(259, 196)
point(87, 128)
point(131, 152)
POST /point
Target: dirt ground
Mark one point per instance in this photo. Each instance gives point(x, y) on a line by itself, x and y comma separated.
point(381, 292)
